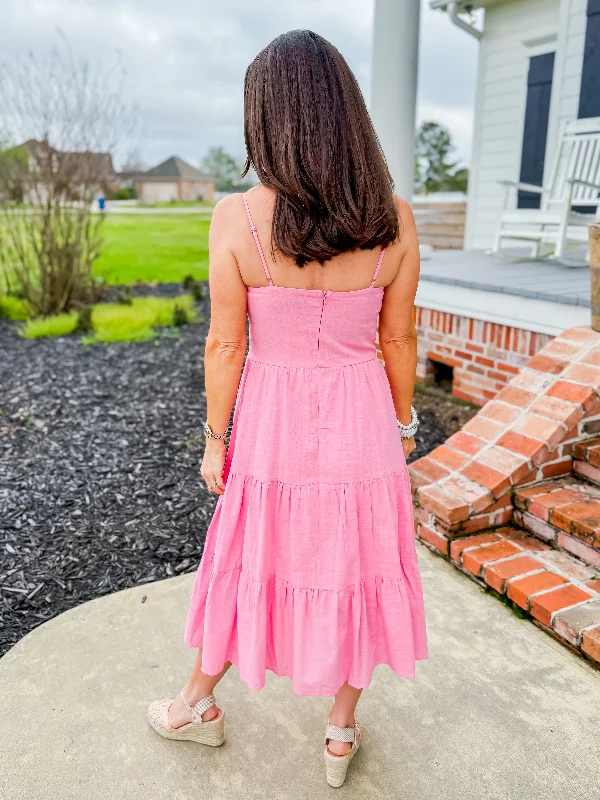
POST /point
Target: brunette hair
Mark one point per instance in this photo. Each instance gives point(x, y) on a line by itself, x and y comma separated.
point(310, 138)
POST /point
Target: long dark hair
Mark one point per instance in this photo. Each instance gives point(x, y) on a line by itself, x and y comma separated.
point(310, 138)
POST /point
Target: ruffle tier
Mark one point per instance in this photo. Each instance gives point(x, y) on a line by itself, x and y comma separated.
point(317, 582)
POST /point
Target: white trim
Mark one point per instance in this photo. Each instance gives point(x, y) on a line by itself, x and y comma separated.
point(462, 23)
point(473, 185)
point(541, 45)
point(554, 122)
point(530, 314)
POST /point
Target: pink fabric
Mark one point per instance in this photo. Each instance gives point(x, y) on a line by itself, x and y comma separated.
point(309, 567)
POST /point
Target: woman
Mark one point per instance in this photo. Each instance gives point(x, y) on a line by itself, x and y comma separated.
point(309, 567)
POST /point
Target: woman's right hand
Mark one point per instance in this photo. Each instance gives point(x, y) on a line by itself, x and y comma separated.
point(409, 446)
point(213, 463)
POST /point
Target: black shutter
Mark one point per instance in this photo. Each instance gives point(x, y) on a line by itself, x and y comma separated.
point(589, 94)
point(535, 131)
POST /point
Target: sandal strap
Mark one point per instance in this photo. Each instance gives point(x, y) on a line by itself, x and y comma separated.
point(201, 706)
point(339, 734)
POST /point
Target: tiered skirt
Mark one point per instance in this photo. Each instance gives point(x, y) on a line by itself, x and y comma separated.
point(309, 567)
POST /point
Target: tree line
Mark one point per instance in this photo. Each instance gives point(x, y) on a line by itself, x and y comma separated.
point(435, 169)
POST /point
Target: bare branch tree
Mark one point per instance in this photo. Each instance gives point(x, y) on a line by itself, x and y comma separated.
point(61, 118)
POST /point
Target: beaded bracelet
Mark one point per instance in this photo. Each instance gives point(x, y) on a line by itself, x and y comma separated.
point(408, 431)
point(208, 431)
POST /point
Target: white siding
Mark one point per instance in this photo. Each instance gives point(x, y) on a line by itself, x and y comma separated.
point(514, 30)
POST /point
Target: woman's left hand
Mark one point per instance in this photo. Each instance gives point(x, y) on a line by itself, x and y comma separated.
point(408, 445)
point(212, 465)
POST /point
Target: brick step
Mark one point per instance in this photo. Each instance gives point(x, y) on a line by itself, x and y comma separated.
point(586, 460)
point(565, 512)
point(560, 592)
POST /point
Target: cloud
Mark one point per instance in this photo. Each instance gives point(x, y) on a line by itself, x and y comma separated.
point(186, 59)
point(447, 77)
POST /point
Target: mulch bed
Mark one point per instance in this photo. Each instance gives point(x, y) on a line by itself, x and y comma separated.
point(99, 454)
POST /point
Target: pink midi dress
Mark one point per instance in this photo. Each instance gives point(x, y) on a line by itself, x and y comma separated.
point(309, 567)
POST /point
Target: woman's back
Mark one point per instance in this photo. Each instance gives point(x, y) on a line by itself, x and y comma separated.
point(344, 272)
point(312, 327)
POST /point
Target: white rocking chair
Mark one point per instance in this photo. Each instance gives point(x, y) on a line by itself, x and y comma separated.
point(568, 204)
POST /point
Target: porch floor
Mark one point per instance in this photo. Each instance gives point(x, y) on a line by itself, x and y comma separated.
point(539, 280)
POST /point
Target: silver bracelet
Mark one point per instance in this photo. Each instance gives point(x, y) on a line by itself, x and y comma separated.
point(408, 431)
point(208, 432)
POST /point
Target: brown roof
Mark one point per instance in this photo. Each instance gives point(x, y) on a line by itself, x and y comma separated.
point(173, 169)
point(96, 166)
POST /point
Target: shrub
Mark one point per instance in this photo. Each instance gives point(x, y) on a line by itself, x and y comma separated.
point(163, 308)
point(124, 297)
point(180, 316)
point(14, 308)
point(114, 322)
point(191, 285)
point(84, 320)
point(134, 323)
point(71, 109)
point(59, 325)
point(124, 193)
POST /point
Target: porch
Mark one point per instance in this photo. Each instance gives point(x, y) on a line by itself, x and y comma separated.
point(482, 318)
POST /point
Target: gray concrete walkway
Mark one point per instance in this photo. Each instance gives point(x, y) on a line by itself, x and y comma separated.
point(500, 711)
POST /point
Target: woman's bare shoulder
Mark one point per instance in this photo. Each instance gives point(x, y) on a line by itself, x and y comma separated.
point(228, 218)
point(405, 212)
point(228, 207)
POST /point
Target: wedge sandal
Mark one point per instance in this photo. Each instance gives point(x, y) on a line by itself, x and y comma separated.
point(337, 766)
point(211, 732)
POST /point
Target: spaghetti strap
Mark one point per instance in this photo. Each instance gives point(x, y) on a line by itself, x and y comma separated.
point(257, 240)
point(378, 267)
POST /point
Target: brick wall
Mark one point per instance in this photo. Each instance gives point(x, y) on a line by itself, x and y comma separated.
point(484, 356)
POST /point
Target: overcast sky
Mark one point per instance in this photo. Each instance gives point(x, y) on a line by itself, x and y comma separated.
point(186, 59)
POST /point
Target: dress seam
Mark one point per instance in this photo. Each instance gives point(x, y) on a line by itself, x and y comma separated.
point(403, 471)
point(272, 578)
point(311, 366)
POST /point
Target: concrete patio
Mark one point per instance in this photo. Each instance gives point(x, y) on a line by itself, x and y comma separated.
point(499, 712)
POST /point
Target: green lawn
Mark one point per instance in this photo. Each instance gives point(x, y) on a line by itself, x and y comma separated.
point(153, 247)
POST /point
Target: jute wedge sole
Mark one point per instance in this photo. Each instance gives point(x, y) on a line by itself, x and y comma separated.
point(211, 733)
point(337, 766)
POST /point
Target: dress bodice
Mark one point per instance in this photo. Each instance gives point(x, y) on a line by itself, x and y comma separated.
point(313, 328)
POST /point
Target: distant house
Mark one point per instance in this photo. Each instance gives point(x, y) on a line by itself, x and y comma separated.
point(173, 180)
point(35, 168)
point(76, 167)
point(539, 66)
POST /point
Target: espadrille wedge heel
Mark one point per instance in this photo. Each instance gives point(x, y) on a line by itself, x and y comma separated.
point(211, 732)
point(337, 766)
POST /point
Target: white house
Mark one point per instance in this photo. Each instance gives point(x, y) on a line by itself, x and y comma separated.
point(481, 317)
point(539, 66)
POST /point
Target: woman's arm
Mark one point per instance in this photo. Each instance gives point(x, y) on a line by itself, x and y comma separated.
point(226, 340)
point(397, 333)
